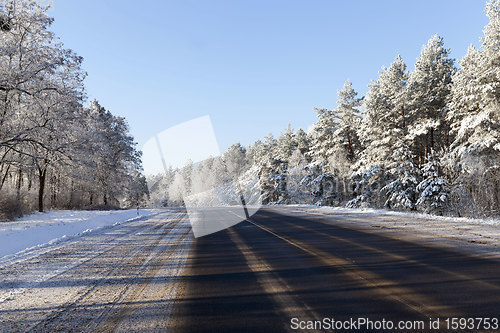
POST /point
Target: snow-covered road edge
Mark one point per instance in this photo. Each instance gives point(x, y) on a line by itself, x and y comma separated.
point(474, 236)
point(327, 209)
point(32, 235)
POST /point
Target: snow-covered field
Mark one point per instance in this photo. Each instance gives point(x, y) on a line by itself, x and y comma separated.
point(481, 236)
point(39, 230)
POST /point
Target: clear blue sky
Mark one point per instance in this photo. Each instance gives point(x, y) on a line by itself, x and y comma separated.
point(252, 65)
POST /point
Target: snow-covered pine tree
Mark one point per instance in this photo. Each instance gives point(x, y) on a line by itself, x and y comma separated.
point(465, 100)
point(159, 186)
point(401, 191)
point(427, 94)
point(322, 148)
point(432, 190)
point(465, 95)
point(322, 136)
point(202, 177)
point(366, 186)
point(345, 144)
point(286, 144)
point(235, 161)
point(489, 77)
point(297, 170)
point(476, 148)
point(348, 117)
point(384, 121)
point(263, 154)
point(384, 125)
point(302, 140)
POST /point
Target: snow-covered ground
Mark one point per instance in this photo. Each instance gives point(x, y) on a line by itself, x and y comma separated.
point(39, 230)
point(372, 211)
point(120, 277)
point(481, 236)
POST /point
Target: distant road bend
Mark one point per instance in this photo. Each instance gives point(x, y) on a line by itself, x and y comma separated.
point(279, 271)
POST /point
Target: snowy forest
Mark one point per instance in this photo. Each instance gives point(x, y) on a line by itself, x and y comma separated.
point(425, 140)
point(54, 152)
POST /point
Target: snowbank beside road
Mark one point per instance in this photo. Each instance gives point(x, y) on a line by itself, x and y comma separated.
point(51, 227)
point(377, 212)
point(476, 235)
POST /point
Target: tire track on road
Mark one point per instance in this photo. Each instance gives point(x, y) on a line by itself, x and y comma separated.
point(25, 265)
point(71, 308)
point(111, 320)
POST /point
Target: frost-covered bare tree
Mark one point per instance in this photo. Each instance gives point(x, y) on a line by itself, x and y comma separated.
point(114, 155)
point(41, 90)
point(51, 147)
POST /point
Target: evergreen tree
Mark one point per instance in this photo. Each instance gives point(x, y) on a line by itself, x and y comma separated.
point(385, 121)
point(489, 78)
point(432, 190)
point(465, 97)
point(322, 136)
point(405, 176)
point(297, 171)
point(286, 144)
point(427, 95)
point(348, 121)
point(383, 126)
point(476, 146)
point(302, 140)
point(235, 160)
point(267, 169)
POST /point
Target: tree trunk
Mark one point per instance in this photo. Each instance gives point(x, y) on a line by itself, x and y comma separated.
point(41, 177)
point(70, 203)
point(53, 190)
point(4, 177)
point(18, 187)
point(403, 118)
point(431, 145)
point(349, 145)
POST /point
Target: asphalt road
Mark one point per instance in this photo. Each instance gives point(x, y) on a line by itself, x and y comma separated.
point(259, 274)
point(281, 270)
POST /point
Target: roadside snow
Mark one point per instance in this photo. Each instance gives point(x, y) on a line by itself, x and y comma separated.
point(480, 236)
point(42, 229)
point(372, 211)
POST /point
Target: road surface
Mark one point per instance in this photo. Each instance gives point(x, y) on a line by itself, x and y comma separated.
point(279, 271)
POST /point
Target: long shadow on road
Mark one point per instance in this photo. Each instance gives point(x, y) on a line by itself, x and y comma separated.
point(386, 277)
